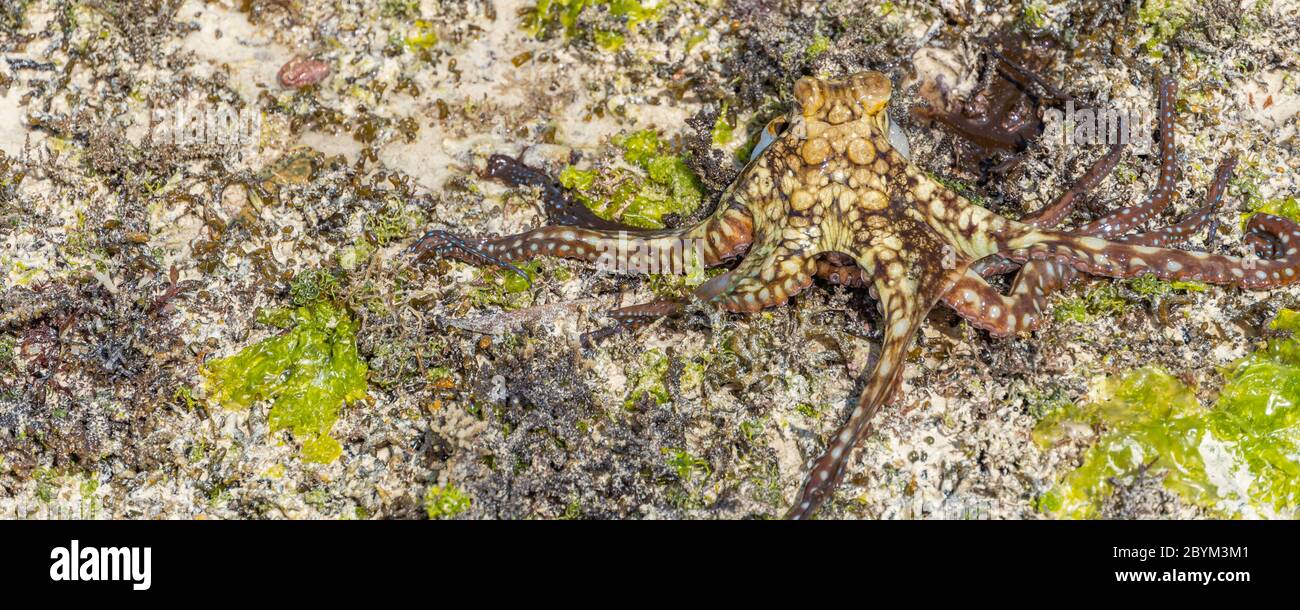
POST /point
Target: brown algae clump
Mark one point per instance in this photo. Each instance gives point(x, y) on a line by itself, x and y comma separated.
point(1240, 458)
point(307, 373)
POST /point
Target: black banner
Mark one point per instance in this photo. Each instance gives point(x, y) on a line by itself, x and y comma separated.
point(302, 560)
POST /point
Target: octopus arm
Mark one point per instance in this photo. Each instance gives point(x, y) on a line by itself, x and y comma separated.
point(724, 235)
point(1025, 307)
point(1125, 220)
point(905, 301)
point(1272, 236)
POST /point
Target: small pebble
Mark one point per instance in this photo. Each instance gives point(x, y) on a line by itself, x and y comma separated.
point(301, 72)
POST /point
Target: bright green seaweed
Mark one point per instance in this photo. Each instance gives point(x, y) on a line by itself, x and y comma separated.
point(616, 194)
point(1240, 458)
point(1288, 207)
point(308, 373)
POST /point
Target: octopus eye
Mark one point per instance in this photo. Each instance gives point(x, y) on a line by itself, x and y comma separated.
point(777, 126)
point(774, 129)
point(898, 139)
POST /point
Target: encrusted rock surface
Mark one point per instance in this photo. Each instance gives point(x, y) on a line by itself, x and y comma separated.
point(163, 179)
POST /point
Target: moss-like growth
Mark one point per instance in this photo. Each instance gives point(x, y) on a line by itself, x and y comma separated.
point(961, 188)
point(1100, 300)
point(684, 464)
point(421, 35)
point(1161, 20)
point(1108, 299)
point(1152, 287)
point(354, 256)
point(308, 373)
point(820, 44)
point(445, 502)
point(724, 128)
point(1033, 14)
point(503, 287)
point(1241, 457)
point(394, 222)
point(312, 285)
point(7, 350)
point(627, 197)
point(649, 380)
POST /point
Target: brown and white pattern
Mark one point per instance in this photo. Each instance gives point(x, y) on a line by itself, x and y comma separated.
point(831, 197)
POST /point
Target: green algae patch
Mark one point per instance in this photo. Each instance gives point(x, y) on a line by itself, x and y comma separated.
point(445, 502)
point(1288, 207)
point(548, 16)
point(668, 186)
point(421, 35)
point(684, 464)
point(1108, 299)
point(308, 373)
point(503, 287)
point(724, 128)
point(1259, 411)
point(1239, 458)
point(649, 382)
point(312, 285)
point(1152, 287)
point(1161, 20)
point(1101, 300)
point(820, 44)
point(1152, 422)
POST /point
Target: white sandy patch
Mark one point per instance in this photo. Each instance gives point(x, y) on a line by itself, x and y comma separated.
point(252, 59)
point(13, 135)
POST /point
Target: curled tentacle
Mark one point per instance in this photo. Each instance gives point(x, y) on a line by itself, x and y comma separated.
point(766, 278)
point(576, 232)
point(1271, 235)
point(475, 252)
point(562, 208)
point(1023, 309)
point(839, 269)
point(1053, 214)
point(1123, 220)
point(724, 235)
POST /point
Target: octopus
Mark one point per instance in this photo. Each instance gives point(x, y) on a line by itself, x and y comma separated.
point(829, 196)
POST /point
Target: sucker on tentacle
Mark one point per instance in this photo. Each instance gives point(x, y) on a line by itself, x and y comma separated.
point(829, 196)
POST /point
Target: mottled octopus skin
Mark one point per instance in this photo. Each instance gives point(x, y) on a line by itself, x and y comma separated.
point(831, 196)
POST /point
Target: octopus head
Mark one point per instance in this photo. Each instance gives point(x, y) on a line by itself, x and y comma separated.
point(855, 102)
point(859, 96)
